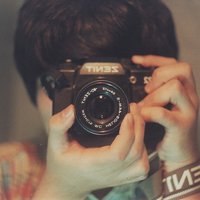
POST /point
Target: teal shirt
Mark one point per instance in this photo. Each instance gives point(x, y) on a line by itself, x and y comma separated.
point(123, 192)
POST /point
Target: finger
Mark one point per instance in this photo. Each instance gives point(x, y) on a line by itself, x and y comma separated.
point(138, 146)
point(181, 72)
point(59, 124)
point(172, 92)
point(136, 171)
point(160, 115)
point(142, 167)
point(121, 146)
point(131, 133)
point(168, 68)
point(151, 60)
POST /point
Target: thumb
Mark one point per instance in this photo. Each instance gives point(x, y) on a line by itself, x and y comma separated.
point(59, 124)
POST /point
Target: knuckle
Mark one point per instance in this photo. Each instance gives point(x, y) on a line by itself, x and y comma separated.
point(176, 86)
point(138, 118)
point(157, 73)
point(137, 153)
point(55, 123)
point(118, 156)
point(143, 177)
point(52, 122)
point(172, 60)
point(150, 98)
point(131, 137)
point(189, 120)
point(144, 169)
point(158, 114)
point(187, 68)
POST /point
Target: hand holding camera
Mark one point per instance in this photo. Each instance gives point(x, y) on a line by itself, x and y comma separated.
point(173, 83)
point(74, 171)
point(71, 166)
point(101, 90)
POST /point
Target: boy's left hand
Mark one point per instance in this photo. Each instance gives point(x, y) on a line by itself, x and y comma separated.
point(173, 83)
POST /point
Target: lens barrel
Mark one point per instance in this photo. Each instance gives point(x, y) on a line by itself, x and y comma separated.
point(101, 107)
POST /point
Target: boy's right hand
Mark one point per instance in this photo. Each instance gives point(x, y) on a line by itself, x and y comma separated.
point(73, 171)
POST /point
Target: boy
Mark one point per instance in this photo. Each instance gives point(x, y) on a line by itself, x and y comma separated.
point(49, 33)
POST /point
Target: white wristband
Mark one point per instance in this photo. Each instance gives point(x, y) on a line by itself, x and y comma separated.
point(182, 182)
point(175, 185)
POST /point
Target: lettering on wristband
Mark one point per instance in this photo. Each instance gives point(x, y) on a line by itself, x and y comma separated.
point(182, 182)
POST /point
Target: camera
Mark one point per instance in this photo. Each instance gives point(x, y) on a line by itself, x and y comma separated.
point(101, 90)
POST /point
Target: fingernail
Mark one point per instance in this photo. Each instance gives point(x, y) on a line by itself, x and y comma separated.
point(67, 111)
point(138, 59)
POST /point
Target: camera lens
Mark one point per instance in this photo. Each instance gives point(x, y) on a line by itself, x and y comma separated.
point(101, 107)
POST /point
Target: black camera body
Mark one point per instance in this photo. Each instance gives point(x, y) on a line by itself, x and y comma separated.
point(101, 90)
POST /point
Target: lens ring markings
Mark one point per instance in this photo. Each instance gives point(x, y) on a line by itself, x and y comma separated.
point(114, 96)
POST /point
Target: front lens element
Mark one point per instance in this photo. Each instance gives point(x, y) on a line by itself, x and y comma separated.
point(101, 107)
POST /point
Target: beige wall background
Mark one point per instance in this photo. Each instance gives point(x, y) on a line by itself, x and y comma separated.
point(19, 120)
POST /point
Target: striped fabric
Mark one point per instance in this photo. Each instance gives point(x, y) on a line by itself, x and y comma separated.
point(20, 171)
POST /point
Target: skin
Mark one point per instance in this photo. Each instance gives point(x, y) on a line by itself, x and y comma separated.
point(172, 82)
point(125, 160)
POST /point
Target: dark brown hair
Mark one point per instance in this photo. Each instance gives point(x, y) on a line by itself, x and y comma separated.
point(48, 32)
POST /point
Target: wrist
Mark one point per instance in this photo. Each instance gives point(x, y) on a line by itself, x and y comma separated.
point(47, 190)
point(169, 166)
